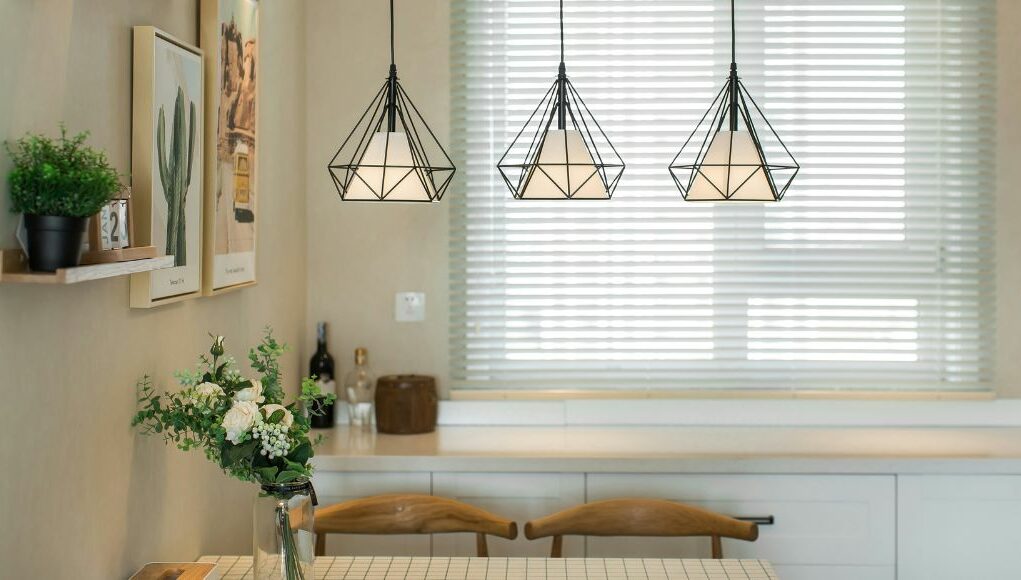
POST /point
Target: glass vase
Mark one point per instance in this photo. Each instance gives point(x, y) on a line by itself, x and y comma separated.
point(283, 538)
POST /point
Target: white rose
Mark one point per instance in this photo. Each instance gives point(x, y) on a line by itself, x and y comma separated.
point(203, 393)
point(288, 419)
point(240, 419)
point(209, 390)
point(252, 393)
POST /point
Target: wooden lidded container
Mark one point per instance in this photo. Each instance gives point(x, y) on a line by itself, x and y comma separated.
point(406, 404)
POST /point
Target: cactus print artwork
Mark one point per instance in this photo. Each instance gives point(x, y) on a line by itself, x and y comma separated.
point(177, 168)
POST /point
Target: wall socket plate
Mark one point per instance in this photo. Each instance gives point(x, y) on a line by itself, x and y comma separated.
point(409, 307)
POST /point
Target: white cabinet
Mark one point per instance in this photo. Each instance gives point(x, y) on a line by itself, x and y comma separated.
point(824, 526)
point(333, 487)
point(957, 527)
point(516, 496)
point(832, 527)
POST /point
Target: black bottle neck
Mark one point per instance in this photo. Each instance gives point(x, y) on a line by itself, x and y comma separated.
point(321, 338)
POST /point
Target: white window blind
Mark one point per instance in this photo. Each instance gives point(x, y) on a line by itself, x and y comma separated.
point(874, 272)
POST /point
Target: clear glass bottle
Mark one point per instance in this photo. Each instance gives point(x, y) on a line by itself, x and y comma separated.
point(283, 535)
point(360, 390)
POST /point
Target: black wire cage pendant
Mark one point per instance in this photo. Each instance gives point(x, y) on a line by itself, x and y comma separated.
point(725, 157)
point(391, 154)
point(561, 152)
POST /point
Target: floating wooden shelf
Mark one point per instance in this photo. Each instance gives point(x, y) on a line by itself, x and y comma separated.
point(14, 270)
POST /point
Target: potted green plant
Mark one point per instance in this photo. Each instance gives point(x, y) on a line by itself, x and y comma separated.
point(58, 184)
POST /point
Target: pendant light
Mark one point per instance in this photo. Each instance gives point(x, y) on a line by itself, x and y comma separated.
point(391, 154)
point(724, 158)
point(561, 152)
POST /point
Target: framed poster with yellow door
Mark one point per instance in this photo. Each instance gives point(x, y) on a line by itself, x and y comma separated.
point(230, 37)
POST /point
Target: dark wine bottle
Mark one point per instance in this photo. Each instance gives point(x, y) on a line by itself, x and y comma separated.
point(321, 367)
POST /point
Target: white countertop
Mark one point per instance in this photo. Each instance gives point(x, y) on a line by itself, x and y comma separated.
point(901, 450)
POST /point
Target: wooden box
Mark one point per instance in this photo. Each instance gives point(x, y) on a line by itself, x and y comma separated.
point(406, 404)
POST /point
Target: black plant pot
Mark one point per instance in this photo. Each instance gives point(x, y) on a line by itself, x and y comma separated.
point(54, 241)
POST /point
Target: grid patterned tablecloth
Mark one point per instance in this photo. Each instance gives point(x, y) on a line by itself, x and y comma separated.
point(425, 568)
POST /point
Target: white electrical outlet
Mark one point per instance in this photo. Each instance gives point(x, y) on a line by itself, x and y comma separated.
point(409, 307)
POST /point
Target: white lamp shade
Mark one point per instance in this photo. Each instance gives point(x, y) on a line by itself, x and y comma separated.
point(564, 168)
point(731, 170)
point(402, 180)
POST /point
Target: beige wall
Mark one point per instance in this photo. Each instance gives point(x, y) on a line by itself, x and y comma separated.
point(81, 496)
point(74, 474)
point(364, 253)
point(1008, 201)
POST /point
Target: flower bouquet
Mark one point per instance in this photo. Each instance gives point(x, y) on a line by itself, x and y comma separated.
point(243, 425)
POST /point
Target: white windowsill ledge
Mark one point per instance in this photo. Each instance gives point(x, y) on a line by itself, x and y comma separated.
point(732, 412)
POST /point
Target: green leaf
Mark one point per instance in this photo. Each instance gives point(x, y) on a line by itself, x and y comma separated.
point(301, 453)
point(268, 474)
point(231, 454)
point(276, 417)
point(286, 476)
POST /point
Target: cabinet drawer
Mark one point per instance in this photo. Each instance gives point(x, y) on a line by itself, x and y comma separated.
point(819, 520)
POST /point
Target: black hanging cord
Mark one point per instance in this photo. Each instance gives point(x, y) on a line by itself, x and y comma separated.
point(733, 69)
point(561, 30)
point(391, 95)
point(733, 33)
point(561, 78)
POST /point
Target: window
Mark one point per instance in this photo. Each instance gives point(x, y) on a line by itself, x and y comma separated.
point(874, 273)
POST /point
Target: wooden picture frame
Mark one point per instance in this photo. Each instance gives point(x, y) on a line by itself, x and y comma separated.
point(229, 34)
point(166, 164)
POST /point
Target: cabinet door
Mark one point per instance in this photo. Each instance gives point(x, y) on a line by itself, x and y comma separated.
point(833, 522)
point(516, 496)
point(333, 487)
point(954, 527)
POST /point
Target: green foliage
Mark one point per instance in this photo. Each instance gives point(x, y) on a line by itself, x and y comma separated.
point(264, 359)
point(60, 177)
point(194, 417)
point(175, 174)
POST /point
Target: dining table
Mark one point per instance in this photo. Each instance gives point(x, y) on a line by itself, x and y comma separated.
point(439, 568)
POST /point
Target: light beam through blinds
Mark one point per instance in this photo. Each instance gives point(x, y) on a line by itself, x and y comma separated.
point(874, 272)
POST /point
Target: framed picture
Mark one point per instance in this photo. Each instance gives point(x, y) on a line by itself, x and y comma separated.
point(230, 36)
point(166, 164)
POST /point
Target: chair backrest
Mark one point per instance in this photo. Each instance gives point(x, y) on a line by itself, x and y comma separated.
point(410, 514)
point(639, 517)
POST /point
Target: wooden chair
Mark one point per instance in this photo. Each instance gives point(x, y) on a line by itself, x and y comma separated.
point(639, 517)
point(410, 514)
